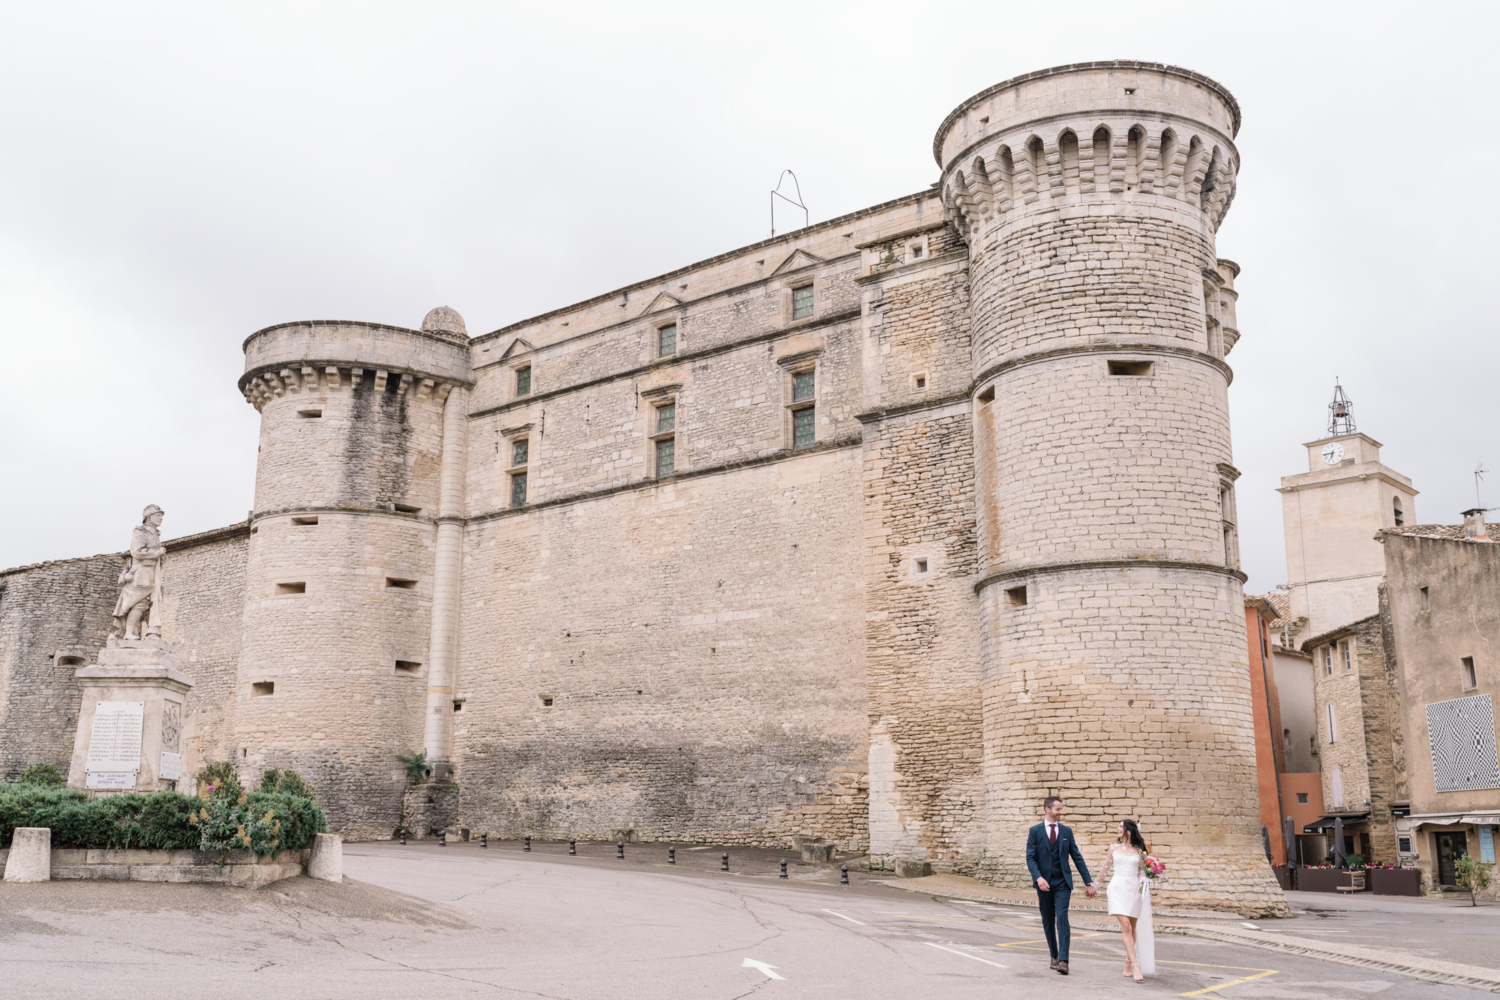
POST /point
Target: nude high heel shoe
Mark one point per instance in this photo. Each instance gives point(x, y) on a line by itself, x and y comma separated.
point(1136, 966)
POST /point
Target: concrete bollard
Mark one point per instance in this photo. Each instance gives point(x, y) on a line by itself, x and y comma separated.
point(528, 843)
point(620, 849)
point(783, 869)
point(572, 847)
point(30, 855)
point(671, 855)
point(484, 841)
point(844, 875)
point(725, 867)
point(327, 860)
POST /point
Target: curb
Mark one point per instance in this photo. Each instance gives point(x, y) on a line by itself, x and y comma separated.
point(1412, 966)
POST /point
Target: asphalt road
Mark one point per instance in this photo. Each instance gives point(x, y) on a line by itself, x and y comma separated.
point(424, 921)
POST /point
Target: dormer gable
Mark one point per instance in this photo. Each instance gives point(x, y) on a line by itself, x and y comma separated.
point(517, 348)
point(798, 259)
point(662, 303)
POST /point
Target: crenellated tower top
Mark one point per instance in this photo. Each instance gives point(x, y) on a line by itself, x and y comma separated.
point(1090, 133)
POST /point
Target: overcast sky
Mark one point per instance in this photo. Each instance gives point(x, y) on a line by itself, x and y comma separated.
point(175, 177)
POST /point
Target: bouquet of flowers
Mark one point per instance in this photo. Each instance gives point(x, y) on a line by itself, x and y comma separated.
point(1152, 869)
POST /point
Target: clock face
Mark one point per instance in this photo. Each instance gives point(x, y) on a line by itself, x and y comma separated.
point(1333, 454)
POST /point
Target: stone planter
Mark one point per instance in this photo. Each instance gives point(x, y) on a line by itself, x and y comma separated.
point(240, 867)
point(1331, 879)
point(1395, 881)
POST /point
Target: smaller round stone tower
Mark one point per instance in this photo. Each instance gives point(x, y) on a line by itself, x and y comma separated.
point(346, 658)
point(1114, 657)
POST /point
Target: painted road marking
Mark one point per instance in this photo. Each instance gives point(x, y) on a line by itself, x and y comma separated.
point(751, 963)
point(1220, 986)
point(836, 913)
point(967, 955)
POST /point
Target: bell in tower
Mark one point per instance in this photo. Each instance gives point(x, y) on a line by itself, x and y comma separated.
point(1340, 413)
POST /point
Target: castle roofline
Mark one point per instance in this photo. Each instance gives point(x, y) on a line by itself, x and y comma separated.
point(1186, 74)
point(707, 262)
point(450, 338)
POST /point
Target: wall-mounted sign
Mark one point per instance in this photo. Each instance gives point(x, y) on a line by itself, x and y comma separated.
point(171, 766)
point(109, 779)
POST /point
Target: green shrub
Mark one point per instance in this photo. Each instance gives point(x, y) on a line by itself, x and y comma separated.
point(161, 820)
point(288, 781)
point(220, 778)
point(41, 774)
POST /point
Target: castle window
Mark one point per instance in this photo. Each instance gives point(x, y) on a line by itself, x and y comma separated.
point(260, 689)
point(1328, 661)
point(920, 566)
point(523, 381)
point(802, 302)
point(1396, 510)
point(406, 508)
point(666, 340)
point(304, 521)
point(1426, 600)
point(1015, 596)
point(1302, 798)
point(1133, 369)
point(519, 452)
point(1348, 653)
point(919, 382)
point(804, 428)
point(291, 588)
point(665, 439)
point(546, 701)
point(408, 667)
point(804, 408)
point(395, 583)
point(1471, 680)
point(518, 489)
point(803, 386)
point(309, 414)
point(918, 251)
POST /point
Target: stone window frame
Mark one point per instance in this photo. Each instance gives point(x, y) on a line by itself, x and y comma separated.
point(517, 366)
point(920, 382)
point(918, 250)
point(801, 363)
point(657, 326)
point(1327, 660)
point(657, 398)
point(1346, 652)
point(790, 290)
point(510, 437)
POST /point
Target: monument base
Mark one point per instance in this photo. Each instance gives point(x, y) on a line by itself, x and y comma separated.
point(130, 724)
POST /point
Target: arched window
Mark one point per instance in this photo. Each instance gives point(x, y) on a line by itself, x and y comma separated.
point(1396, 509)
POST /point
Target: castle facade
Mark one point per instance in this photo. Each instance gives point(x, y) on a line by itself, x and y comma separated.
point(879, 531)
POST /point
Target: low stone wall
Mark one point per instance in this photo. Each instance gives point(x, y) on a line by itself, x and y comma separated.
point(239, 868)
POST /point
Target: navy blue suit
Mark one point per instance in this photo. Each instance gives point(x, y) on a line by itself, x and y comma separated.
point(1050, 861)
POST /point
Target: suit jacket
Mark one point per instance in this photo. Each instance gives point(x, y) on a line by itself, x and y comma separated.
point(1038, 846)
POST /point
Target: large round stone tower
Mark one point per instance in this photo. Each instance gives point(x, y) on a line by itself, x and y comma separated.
point(351, 587)
point(1114, 652)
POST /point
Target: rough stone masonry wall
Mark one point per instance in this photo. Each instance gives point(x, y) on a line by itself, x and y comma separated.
point(701, 642)
point(55, 607)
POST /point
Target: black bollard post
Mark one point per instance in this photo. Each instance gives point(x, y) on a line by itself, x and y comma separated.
point(403, 838)
point(527, 845)
point(443, 839)
point(572, 847)
point(484, 840)
point(725, 864)
point(844, 880)
point(620, 849)
point(783, 869)
point(671, 855)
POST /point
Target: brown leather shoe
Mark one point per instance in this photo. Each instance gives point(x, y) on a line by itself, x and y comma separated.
point(1053, 965)
point(1062, 967)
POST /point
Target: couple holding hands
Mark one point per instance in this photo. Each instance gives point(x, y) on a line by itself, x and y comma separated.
point(1049, 848)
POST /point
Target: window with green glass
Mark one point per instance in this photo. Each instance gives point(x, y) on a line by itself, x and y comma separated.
point(523, 381)
point(666, 457)
point(666, 418)
point(803, 432)
point(666, 339)
point(802, 302)
point(520, 452)
point(803, 386)
point(518, 490)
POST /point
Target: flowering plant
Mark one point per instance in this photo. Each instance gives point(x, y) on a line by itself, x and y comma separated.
point(1152, 869)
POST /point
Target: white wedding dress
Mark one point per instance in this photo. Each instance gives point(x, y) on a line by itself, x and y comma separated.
point(1130, 896)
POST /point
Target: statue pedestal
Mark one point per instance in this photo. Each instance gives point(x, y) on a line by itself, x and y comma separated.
point(130, 725)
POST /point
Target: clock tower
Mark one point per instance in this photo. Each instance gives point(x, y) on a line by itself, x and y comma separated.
point(1331, 513)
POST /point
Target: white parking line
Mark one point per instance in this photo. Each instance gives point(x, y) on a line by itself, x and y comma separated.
point(836, 913)
point(967, 955)
point(751, 963)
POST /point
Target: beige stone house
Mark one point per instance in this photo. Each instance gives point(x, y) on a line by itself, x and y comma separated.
point(879, 531)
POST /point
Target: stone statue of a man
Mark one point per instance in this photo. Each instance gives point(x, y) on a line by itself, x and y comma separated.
point(142, 577)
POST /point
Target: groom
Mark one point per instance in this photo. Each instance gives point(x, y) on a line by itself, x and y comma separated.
point(1048, 848)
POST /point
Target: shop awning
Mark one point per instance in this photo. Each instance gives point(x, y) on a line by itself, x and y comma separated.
point(1490, 820)
point(1435, 819)
point(1326, 823)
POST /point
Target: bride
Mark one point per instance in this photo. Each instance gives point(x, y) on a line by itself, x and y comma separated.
point(1130, 898)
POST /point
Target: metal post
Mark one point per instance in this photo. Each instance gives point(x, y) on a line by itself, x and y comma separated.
point(844, 880)
point(572, 847)
point(1291, 843)
point(725, 863)
point(443, 839)
point(783, 869)
point(527, 845)
point(403, 838)
point(620, 849)
point(484, 840)
point(671, 855)
point(1338, 842)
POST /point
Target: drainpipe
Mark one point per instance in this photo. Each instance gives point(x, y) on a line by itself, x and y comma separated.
point(442, 661)
point(1265, 674)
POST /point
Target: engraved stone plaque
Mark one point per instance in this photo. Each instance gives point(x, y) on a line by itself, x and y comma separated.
point(115, 743)
point(171, 766)
point(110, 779)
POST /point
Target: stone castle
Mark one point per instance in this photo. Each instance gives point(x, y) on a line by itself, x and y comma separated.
point(876, 532)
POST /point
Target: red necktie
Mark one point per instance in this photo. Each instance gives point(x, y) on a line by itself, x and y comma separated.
point(1052, 836)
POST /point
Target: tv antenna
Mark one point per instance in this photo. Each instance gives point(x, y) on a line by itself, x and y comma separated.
point(1479, 471)
point(776, 193)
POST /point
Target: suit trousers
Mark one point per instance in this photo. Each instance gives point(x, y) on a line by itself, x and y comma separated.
point(1054, 906)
